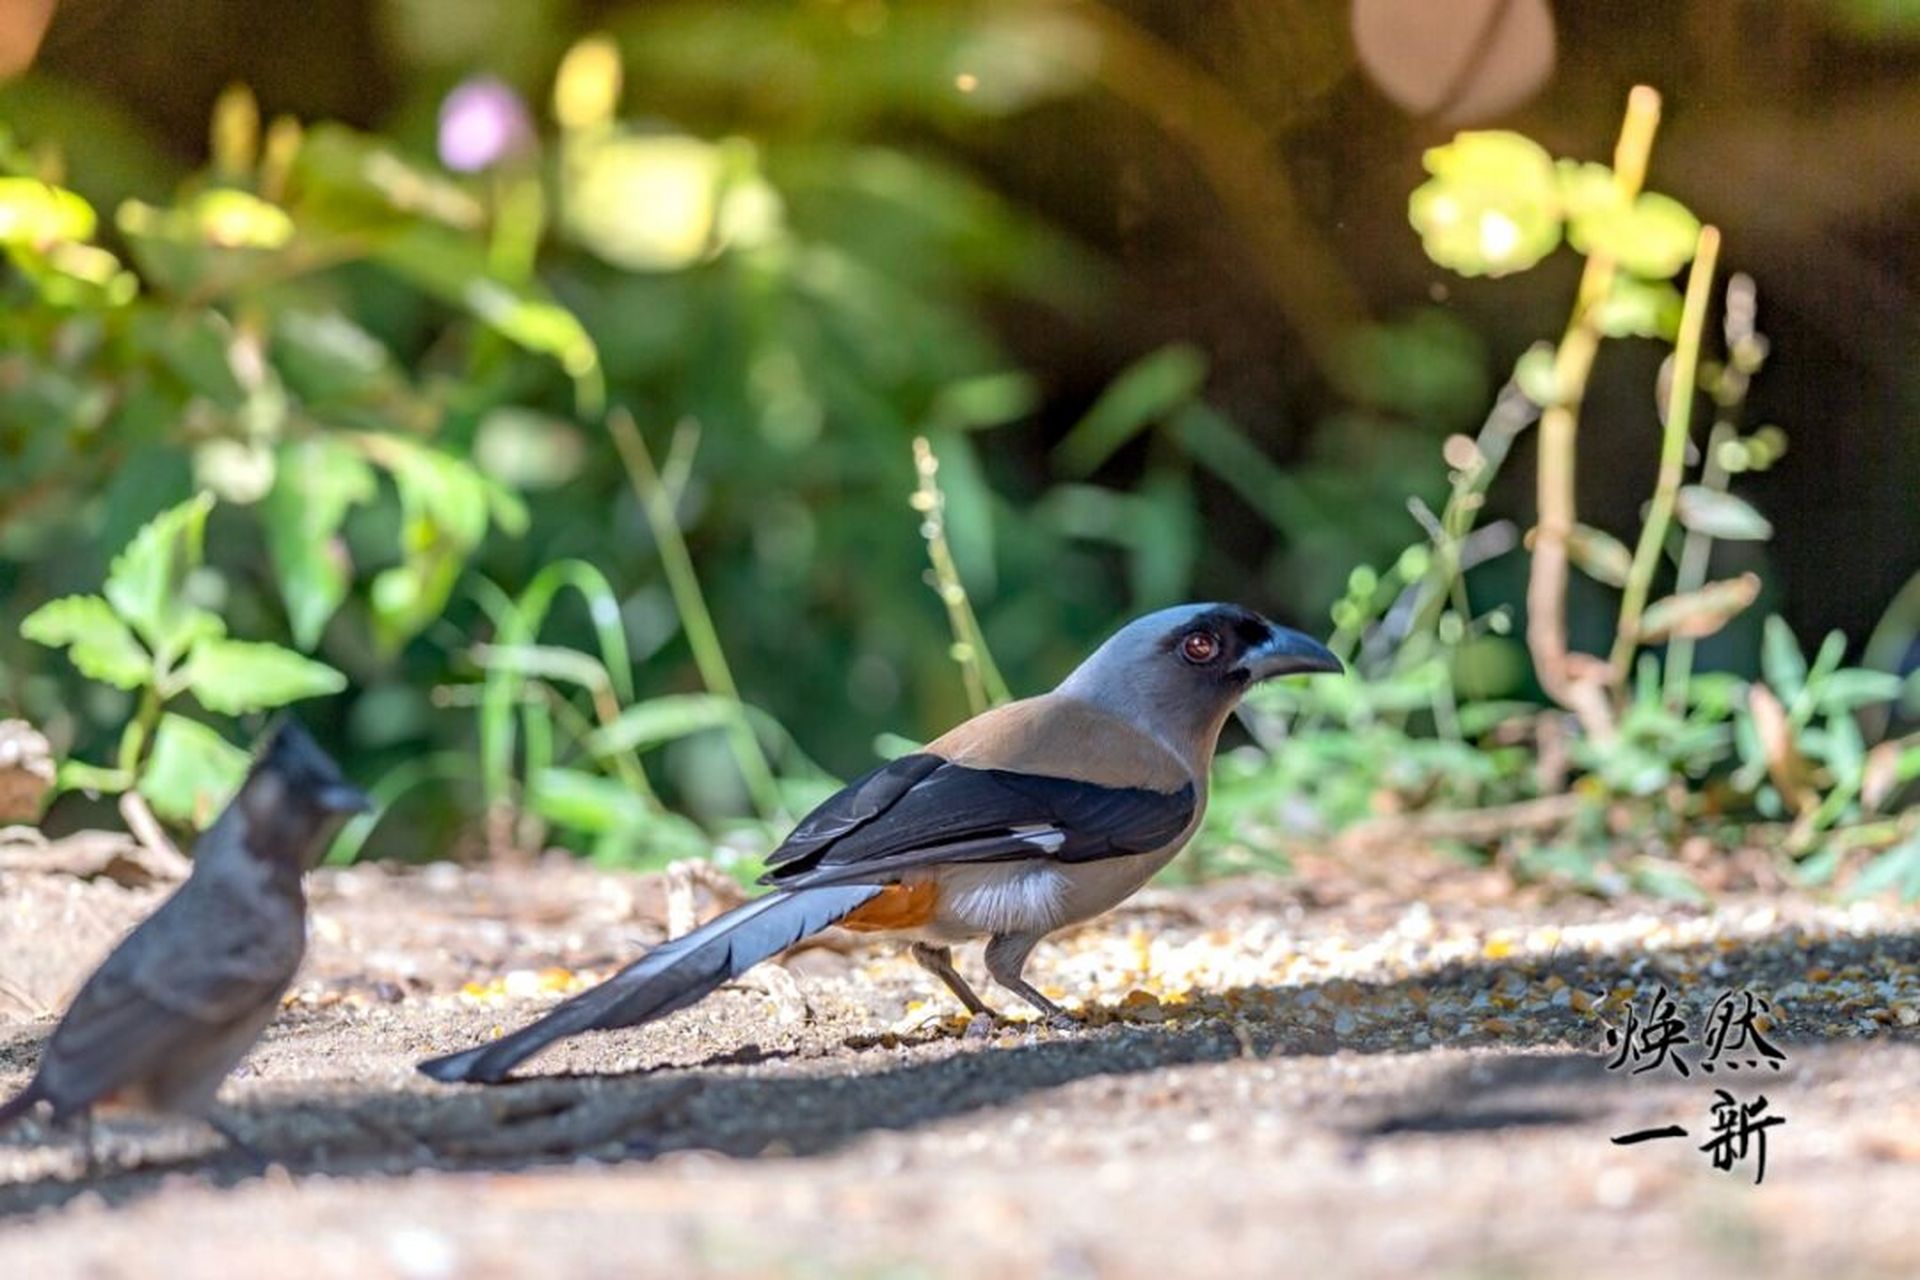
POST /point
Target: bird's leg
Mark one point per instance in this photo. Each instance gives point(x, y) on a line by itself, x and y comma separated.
point(938, 961)
point(1006, 957)
point(233, 1139)
point(86, 1146)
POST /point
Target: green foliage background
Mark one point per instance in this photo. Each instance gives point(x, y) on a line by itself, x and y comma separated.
point(785, 239)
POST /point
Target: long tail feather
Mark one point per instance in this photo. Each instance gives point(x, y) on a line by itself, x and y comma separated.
point(671, 976)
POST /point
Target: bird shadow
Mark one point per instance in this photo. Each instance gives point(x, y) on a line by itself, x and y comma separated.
point(1542, 1069)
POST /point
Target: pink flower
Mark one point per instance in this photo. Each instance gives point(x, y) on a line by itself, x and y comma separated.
point(482, 122)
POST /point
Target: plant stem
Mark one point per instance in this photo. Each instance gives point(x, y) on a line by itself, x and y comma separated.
point(1511, 414)
point(1695, 556)
point(985, 688)
point(1673, 450)
point(1559, 429)
point(691, 604)
point(1730, 394)
point(137, 739)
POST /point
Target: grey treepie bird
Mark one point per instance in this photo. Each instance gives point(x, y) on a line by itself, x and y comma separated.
point(181, 1000)
point(1025, 819)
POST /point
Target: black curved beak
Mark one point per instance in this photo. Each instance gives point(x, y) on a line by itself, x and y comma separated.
point(1288, 653)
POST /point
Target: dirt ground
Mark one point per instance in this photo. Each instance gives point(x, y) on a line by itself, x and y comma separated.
point(1317, 1076)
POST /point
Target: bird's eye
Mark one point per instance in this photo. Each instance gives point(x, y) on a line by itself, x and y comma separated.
point(1200, 647)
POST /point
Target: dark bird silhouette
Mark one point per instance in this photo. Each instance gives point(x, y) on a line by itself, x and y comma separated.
point(182, 999)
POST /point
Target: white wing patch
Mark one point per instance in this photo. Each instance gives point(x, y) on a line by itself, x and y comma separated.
point(1045, 839)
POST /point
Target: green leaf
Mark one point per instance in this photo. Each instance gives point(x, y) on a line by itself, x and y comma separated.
point(320, 479)
point(657, 720)
point(1222, 448)
point(1600, 555)
point(324, 355)
point(446, 489)
point(1827, 659)
point(1427, 366)
point(445, 506)
point(421, 227)
point(1492, 206)
point(79, 276)
point(525, 449)
point(545, 662)
point(645, 202)
point(1846, 753)
point(192, 772)
point(35, 214)
point(453, 266)
point(986, 400)
point(237, 676)
point(587, 802)
point(146, 579)
point(351, 182)
point(1652, 238)
point(1143, 394)
point(235, 219)
point(97, 641)
point(1781, 663)
point(212, 243)
point(1537, 374)
point(198, 348)
point(1720, 515)
point(241, 472)
point(1698, 614)
point(1819, 868)
point(1665, 880)
point(1857, 687)
point(1635, 308)
point(1898, 867)
point(1586, 188)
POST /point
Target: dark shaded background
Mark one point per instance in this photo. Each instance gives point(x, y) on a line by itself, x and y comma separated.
point(1786, 125)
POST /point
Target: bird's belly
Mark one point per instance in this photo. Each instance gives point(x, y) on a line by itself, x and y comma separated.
point(187, 1082)
point(1034, 897)
point(999, 897)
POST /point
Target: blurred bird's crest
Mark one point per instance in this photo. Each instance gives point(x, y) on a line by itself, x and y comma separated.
point(291, 755)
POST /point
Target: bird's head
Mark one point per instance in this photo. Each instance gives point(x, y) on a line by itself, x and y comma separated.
point(294, 798)
point(1179, 672)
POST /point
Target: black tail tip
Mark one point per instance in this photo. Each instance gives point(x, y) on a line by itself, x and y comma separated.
point(458, 1068)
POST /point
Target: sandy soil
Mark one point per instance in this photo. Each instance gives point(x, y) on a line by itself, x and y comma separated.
point(1315, 1077)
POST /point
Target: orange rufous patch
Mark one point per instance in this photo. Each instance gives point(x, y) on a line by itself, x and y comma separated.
point(899, 906)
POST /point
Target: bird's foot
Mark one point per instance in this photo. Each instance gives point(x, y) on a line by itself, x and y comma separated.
point(240, 1145)
point(1050, 1013)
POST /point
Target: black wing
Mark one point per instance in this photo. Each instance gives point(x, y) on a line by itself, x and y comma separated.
point(921, 809)
point(853, 807)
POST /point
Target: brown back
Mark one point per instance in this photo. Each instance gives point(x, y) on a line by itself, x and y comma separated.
point(1063, 738)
